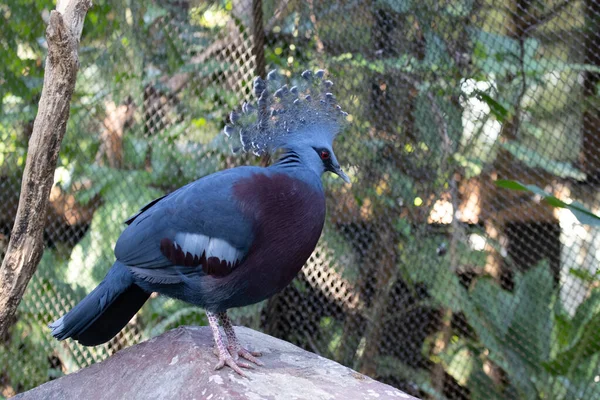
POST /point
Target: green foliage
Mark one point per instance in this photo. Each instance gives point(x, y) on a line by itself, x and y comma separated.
point(525, 333)
point(407, 143)
point(21, 57)
point(581, 338)
point(584, 215)
point(125, 49)
point(534, 159)
point(514, 331)
point(173, 316)
point(27, 364)
point(92, 255)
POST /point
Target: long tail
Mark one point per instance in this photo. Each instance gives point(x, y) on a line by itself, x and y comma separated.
point(103, 312)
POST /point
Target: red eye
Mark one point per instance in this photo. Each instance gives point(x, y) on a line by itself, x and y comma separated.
point(325, 155)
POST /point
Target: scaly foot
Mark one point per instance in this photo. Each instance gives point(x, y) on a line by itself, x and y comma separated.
point(238, 351)
point(226, 359)
point(221, 351)
point(234, 347)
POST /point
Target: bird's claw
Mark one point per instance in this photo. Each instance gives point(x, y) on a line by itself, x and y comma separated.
point(238, 352)
point(251, 356)
point(233, 364)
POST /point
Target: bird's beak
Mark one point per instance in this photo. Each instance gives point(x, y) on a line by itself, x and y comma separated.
point(334, 167)
point(338, 170)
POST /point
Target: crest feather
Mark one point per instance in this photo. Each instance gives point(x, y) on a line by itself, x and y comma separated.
point(281, 115)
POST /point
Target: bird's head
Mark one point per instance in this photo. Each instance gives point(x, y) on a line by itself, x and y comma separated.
point(303, 118)
point(316, 151)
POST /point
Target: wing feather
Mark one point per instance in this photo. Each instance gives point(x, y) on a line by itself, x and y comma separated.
point(198, 229)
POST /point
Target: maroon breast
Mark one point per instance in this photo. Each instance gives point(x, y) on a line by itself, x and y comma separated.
point(288, 216)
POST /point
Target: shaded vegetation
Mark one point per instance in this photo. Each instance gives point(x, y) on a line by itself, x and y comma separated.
point(413, 282)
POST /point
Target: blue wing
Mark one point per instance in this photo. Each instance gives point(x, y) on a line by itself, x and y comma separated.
point(197, 229)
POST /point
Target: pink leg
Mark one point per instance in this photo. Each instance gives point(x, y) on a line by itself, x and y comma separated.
point(235, 348)
point(224, 356)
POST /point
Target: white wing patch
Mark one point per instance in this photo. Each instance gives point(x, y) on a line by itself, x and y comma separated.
point(192, 242)
point(222, 250)
point(197, 244)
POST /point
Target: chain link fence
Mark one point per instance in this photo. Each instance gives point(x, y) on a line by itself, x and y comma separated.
point(429, 276)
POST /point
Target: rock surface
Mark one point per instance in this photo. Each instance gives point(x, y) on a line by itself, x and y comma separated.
point(179, 365)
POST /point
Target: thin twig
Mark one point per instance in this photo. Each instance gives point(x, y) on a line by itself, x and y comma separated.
point(258, 38)
point(312, 344)
point(313, 20)
point(546, 17)
point(276, 15)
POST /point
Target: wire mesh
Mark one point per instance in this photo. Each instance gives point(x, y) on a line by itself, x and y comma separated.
point(428, 275)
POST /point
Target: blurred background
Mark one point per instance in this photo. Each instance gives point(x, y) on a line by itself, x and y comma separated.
point(428, 276)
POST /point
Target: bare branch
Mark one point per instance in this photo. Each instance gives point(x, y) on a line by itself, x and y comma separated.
point(258, 38)
point(283, 5)
point(557, 9)
point(26, 246)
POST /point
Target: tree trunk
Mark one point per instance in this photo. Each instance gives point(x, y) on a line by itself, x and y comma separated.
point(26, 246)
point(591, 116)
point(258, 38)
point(383, 258)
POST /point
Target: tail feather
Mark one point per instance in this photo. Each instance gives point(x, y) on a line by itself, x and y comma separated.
point(103, 312)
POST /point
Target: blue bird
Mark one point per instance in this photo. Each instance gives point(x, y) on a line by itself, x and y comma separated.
point(232, 238)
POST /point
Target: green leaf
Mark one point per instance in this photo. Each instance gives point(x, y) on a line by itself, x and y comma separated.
point(459, 9)
point(448, 291)
point(531, 47)
point(460, 362)
point(584, 275)
point(532, 323)
point(392, 366)
point(93, 255)
point(563, 331)
point(495, 54)
point(173, 320)
point(554, 65)
point(498, 304)
point(533, 159)
point(495, 43)
point(579, 386)
point(586, 311)
point(473, 166)
point(478, 319)
point(516, 327)
point(522, 374)
point(582, 214)
point(463, 362)
point(398, 6)
point(154, 12)
point(436, 53)
point(585, 340)
point(497, 110)
point(510, 184)
point(135, 151)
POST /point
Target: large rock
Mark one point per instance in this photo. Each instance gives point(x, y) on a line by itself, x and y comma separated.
point(179, 365)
